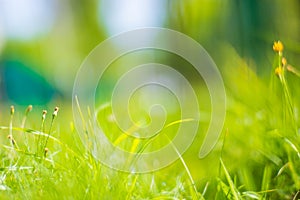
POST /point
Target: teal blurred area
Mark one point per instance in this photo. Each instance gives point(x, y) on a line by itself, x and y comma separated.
point(24, 86)
point(51, 38)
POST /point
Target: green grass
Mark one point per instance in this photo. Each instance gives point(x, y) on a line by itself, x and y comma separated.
point(257, 156)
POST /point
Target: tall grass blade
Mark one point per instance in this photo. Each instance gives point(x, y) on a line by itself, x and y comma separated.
point(234, 191)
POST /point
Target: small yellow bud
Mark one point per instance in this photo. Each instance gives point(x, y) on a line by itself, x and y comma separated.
point(283, 61)
point(29, 108)
point(46, 151)
point(55, 111)
point(12, 110)
point(11, 139)
point(44, 114)
point(278, 46)
point(278, 71)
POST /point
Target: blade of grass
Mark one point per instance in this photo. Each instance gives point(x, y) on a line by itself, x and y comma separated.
point(233, 189)
point(197, 195)
point(266, 179)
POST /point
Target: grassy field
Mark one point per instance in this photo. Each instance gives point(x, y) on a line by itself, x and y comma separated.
point(256, 157)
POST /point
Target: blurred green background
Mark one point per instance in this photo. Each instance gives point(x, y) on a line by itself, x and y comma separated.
point(44, 42)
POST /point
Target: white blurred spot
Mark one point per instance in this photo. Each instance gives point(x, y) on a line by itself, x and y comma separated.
point(26, 19)
point(119, 16)
point(111, 118)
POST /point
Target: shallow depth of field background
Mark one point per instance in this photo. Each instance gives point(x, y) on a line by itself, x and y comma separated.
point(44, 42)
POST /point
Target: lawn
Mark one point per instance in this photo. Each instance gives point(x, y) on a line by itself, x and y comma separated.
point(256, 157)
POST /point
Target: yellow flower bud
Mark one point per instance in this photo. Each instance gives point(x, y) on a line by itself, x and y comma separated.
point(278, 46)
point(278, 71)
point(283, 61)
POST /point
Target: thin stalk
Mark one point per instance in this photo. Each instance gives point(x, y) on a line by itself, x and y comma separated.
point(51, 125)
point(222, 149)
point(28, 109)
point(49, 132)
point(132, 187)
point(196, 193)
point(42, 130)
point(289, 102)
point(10, 136)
